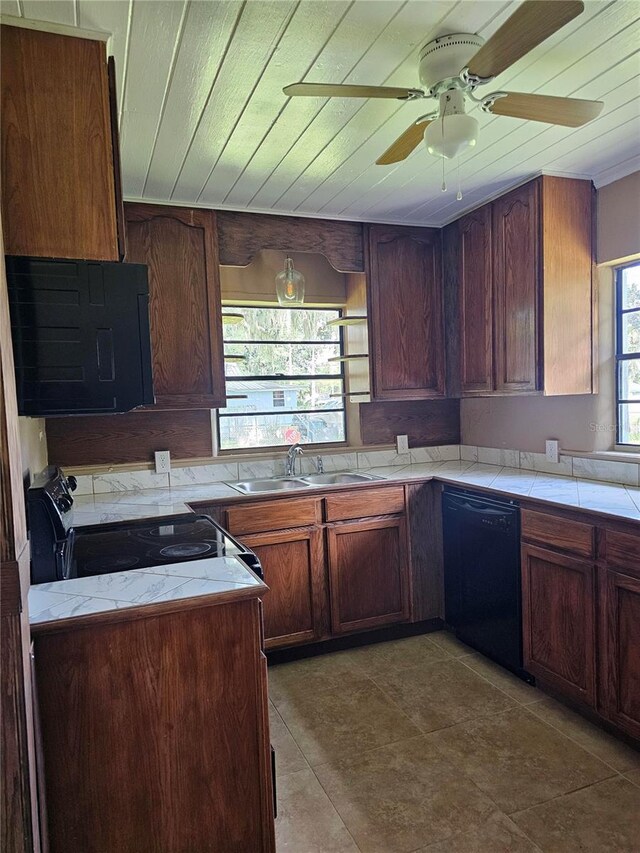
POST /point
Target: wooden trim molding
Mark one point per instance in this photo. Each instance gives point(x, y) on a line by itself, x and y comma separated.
point(242, 235)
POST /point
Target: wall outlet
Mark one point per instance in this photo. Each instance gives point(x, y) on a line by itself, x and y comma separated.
point(552, 450)
point(402, 443)
point(163, 461)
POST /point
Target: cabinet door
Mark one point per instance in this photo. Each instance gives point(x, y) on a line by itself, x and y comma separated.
point(558, 621)
point(405, 305)
point(476, 302)
point(620, 658)
point(58, 182)
point(293, 565)
point(180, 248)
point(516, 243)
point(368, 574)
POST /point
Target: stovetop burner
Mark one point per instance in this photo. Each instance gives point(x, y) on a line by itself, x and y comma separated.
point(101, 549)
point(117, 563)
point(188, 549)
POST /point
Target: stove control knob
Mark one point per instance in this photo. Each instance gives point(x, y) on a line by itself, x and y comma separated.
point(72, 483)
point(65, 502)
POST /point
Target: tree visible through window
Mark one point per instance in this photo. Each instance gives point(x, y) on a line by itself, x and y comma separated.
point(282, 386)
point(628, 353)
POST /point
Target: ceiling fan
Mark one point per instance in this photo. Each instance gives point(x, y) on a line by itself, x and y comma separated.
point(453, 66)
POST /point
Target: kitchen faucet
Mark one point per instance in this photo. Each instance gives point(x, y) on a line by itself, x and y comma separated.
point(294, 451)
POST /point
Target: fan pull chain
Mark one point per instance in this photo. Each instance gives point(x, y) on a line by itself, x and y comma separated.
point(444, 185)
point(459, 193)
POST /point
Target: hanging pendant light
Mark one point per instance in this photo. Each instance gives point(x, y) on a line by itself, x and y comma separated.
point(290, 285)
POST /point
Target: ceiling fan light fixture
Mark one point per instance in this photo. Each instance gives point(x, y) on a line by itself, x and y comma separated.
point(450, 135)
point(290, 285)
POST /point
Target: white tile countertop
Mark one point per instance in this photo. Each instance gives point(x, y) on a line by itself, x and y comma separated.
point(613, 499)
point(79, 597)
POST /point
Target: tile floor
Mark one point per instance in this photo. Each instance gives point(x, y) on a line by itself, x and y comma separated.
point(423, 746)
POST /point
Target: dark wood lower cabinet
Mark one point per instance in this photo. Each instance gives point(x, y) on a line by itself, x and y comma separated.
point(620, 650)
point(559, 621)
point(581, 611)
point(368, 573)
point(155, 733)
point(293, 566)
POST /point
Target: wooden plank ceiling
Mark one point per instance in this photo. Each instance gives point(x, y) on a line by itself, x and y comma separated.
point(203, 119)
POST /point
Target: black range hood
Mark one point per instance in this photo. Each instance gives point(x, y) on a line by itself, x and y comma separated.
point(80, 332)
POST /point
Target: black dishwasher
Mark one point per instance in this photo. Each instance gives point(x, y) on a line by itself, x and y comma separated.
point(482, 575)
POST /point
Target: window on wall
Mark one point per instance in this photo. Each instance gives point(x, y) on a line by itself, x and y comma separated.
point(628, 353)
point(283, 382)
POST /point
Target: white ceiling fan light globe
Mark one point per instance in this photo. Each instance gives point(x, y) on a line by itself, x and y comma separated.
point(449, 136)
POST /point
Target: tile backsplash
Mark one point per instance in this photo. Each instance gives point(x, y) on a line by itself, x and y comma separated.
point(581, 467)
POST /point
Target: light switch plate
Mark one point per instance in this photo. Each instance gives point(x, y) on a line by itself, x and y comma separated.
point(163, 461)
point(402, 443)
point(552, 450)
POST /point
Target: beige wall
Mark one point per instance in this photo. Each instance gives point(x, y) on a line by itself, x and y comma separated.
point(619, 219)
point(582, 423)
point(33, 445)
point(256, 283)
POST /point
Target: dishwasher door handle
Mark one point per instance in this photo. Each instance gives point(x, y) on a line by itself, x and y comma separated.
point(478, 510)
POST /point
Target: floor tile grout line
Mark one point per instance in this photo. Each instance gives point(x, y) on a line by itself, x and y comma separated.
point(569, 793)
point(306, 761)
point(577, 742)
point(488, 680)
point(467, 719)
point(331, 803)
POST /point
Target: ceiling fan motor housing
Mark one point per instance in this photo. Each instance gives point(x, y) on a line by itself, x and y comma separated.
point(442, 59)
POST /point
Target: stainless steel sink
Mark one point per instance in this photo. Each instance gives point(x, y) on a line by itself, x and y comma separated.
point(342, 477)
point(281, 484)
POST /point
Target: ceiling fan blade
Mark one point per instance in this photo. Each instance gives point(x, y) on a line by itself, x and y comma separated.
point(568, 112)
point(404, 144)
point(531, 23)
point(331, 90)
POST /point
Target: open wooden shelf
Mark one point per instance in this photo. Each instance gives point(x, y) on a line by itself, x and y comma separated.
point(354, 357)
point(354, 320)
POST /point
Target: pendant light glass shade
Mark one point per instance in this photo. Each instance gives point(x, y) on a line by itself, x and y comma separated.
point(290, 285)
point(450, 135)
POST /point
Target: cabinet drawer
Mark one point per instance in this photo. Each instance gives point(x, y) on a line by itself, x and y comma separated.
point(360, 504)
point(622, 550)
point(272, 515)
point(555, 531)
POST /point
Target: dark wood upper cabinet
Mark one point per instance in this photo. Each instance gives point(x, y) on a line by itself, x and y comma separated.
point(476, 301)
point(515, 267)
point(58, 174)
point(179, 246)
point(406, 312)
point(522, 276)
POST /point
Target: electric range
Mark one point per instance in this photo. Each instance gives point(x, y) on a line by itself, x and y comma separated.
point(60, 551)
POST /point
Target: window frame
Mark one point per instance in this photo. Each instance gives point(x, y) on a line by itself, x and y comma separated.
point(341, 376)
point(621, 356)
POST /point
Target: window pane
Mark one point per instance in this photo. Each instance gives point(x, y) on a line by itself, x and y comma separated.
point(630, 332)
point(629, 385)
point(297, 393)
point(287, 359)
point(629, 423)
point(243, 431)
point(282, 324)
point(631, 287)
